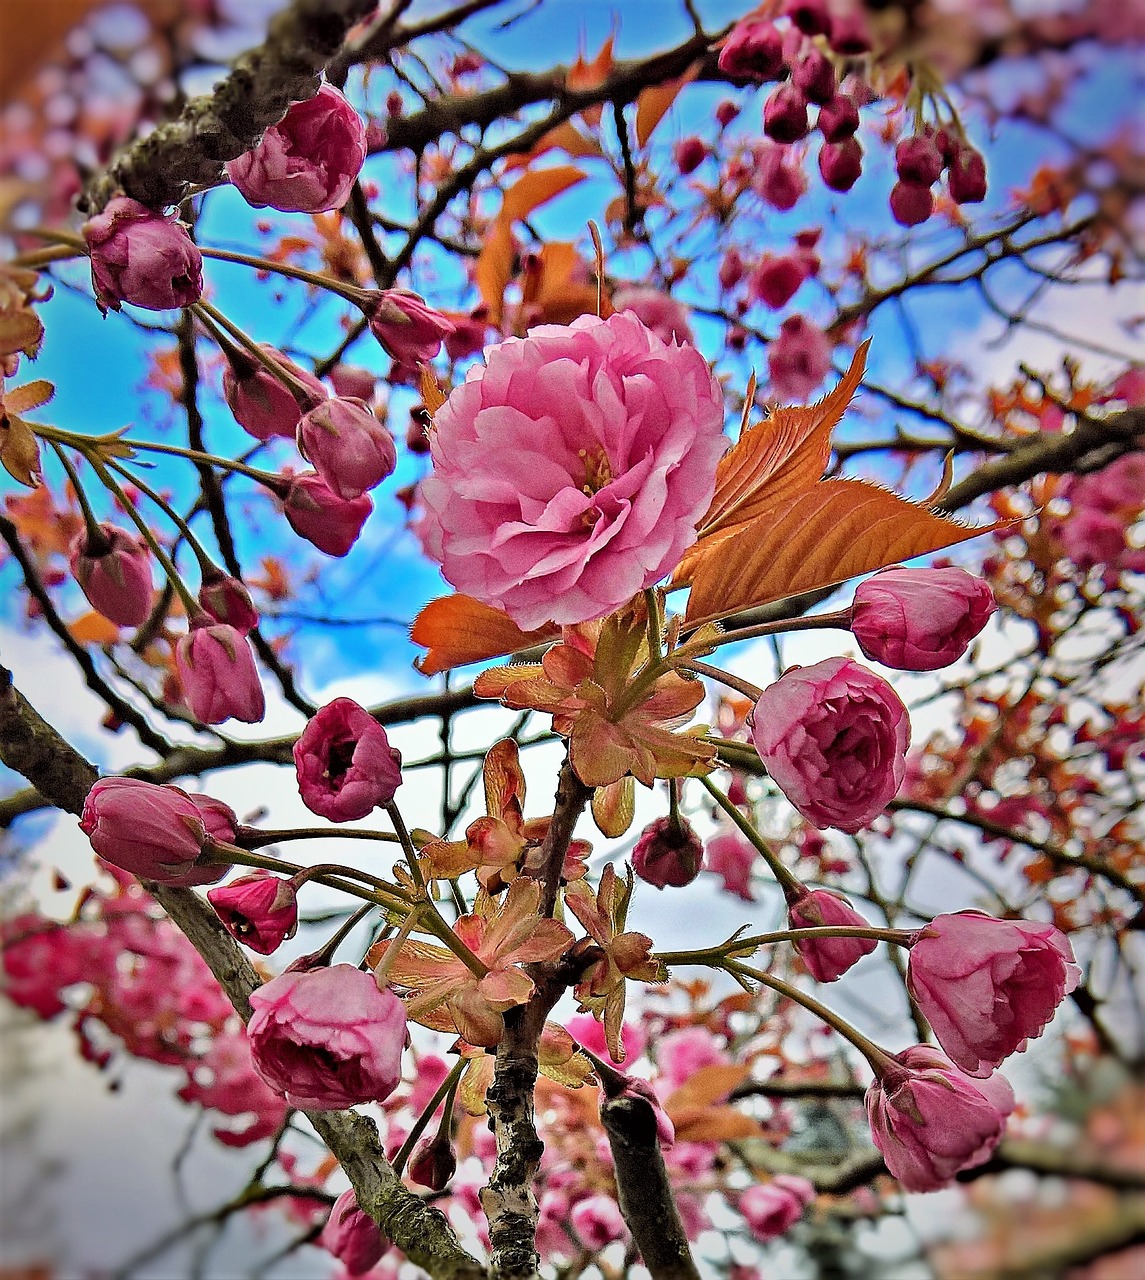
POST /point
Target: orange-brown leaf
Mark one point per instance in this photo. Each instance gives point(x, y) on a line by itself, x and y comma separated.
point(494, 268)
point(707, 1086)
point(591, 75)
point(94, 628)
point(537, 187)
point(834, 531)
point(432, 396)
point(715, 1124)
point(780, 457)
point(564, 137)
point(653, 103)
point(457, 629)
point(32, 395)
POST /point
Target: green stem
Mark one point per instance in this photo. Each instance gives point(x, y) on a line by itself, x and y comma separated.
point(222, 851)
point(841, 620)
point(655, 640)
point(206, 564)
point(210, 314)
point(89, 516)
point(256, 837)
point(327, 952)
point(350, 292)
point(749, 690)
point(447, 1086)
point(715, 956)
point(787, 879)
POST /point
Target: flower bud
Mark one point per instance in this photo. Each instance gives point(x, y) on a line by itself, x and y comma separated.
point(827, 958)
point(433, 1162)
point(777, 278)
point(216, 666)
point(315, 512)
point(911, 203)
point(263, 405)
point(113, 569)
point(142, 257)
point(798, 360)
point(771, 1209)
point(307, 162)
point(259, 910)
point(406, 327)
point(753, 51)
point(668, 853)
point(918, 160)
point(227, 600)
point(348, 446)
point(841, 163)
point(344, 762)
point(919, 619)
point(810, 16)
point(353, 382)
point(778, 179)
point(785, 114)
point(814, 75)
point(353, 1237)
point(838, 118)
point(689, 153)
point(967, 177)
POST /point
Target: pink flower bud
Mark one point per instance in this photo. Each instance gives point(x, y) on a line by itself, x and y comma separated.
point(918, 160)
point(753, 51)
point(113, 569)
point(408, 329)
point(353, 382)
point(841, 163)
point(838, 119)
point(668, 854)
point(307, 162)
point(258, 909)
point(732, 856)
point(469, 334)
point(827, 958)
point(810, 16)
point(656, 310)
point(348, 446)
point(989, 986)
point(689, 153)
point(785, 114)
point(262, 404)
point(353, 1237)
point(833, 737)
point(726, 112)
point(772, 1209)
point(154, 832)
point(778, 179)
point(142, 257)
point(227, 600)
point(930, 1121)
point(776, 279)
point(732, 269)
point(911, 204)
point(433, 1162)
point(967, 177)
point(315, 512)
point(216, 665)
point(597, 1222)
point(919, 619)
point(798, 360)
point(814, 75)
point(345, 764)
point(850, 32)
point(327, 1038)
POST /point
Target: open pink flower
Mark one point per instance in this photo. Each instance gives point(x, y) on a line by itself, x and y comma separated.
point(571, 470)
point(308, 161)
point(834, 738)
point(345, 764)
point(988, 986)
point(919, 619)
point(771, 1209)
point(327, 1038)
point(930, 1121)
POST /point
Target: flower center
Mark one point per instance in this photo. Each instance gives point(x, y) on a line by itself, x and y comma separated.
point(597, 470)
point(339, 760)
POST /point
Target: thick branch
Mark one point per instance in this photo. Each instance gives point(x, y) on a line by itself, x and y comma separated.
point(216, 127)
point(643, 1189)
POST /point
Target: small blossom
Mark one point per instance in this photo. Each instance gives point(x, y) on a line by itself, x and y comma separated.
point(919, 619)
point(798, 360)
point(838, 119)
point(142, 257)
point(347, 445)
point(216, 666)
point(841, 163)
point(345, 765)
point(930, 1121)
point(656, 310)
point(668, 853)
point(353, 1237)
point(918, 160)
point(911, 203)
point(315, 512)
point(409, 329)
point(327, 1038)
point(827, 958)
point(598, 1222)
point(778, 176)
point(689, 153)
point(834, 738)
point(772, 1209)
point(227, 600)
point(785, 114)
point(814, 76)
point(777, 277)
point(967, 177)
point(753, 51)
point(113, 569)
point(259, 909)
point(263, 405)
point(731, 855)
point(988, 986)
point(307, 162)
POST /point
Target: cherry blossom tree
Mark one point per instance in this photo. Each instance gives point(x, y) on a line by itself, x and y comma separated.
point(741, 415)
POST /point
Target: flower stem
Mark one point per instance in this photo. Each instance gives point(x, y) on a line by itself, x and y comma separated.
point(840, 619)
point(787, 879)
point(349, 292)
point(447, 1086)
point(715, 956)
point(749, 690)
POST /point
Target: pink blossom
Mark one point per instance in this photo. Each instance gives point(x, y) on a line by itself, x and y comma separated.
point(347, 445)
point(258, 909)
point(680, 1054)
point(223, 1080)
point(142, 257)
point(785, 114)
point(989, 986)
point(469, 333)
point(919, 619)
point(689, 153)
point(911, 203)
point(798, 360)
point(771, 1209)
point(841, 163)
point(930, 1121)
point(263, 405)
point(345, 765)
point(967, 176)
point(1119, 487)
point(155, 832)
point(597, 1222)
point(779, 177)
point(812, 17)
point(41, 958)
point(827, 958)
point(431, 1071)
point(753, 51)
point(216, 665)
point(227, 600)
point(409, 329)
point(668, 853)
point(833, 737)
point(732, 856)
point(586, 1030)
point(113, 569)
point(1092, 537)
point(656, 310)
point(777, 277)
point(353, 1237)
point(327, 1038)
point(315, 512)
point(838, 118)
point(570, 472)
point(354, 382)
point(308, 161)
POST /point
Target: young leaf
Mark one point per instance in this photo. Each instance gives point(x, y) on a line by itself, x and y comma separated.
point(653, 103)
point(836, 530)
point(457, 629)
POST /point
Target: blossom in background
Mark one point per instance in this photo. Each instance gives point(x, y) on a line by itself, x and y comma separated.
point(352, 1236)
point(571, 469)
point(668, 853)
point(833, 737)
point(770, 1209)
point(656, 310)
point(798, 360)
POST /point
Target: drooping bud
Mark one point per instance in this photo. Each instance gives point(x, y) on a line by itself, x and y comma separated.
point(668, 853)
point(259, 910)
point(216, 666)
point(227, 600)
point(348, 446)
point(142, 257)
point(113, 569)
point(315, 512)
